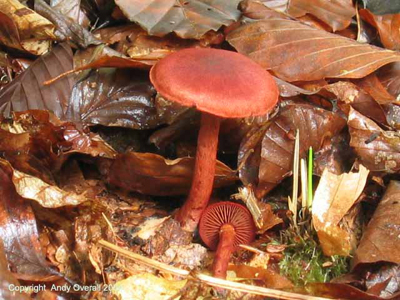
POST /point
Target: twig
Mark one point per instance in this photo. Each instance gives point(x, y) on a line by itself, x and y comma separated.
point(216, 282)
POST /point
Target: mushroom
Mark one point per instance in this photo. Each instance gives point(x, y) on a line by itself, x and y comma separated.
point(224, 226)
point(221, 84)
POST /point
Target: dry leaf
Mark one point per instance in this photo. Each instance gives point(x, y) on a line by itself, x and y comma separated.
point(296, 52)
point(66, 28)
point(187, 18)
point(147, 286)
point(377, 149)
point(152, 174)
point(19, 233)
point(28, 92)
point(380, 240)
point(388, 27)
point(266, 154)
point(333, 199)
point(337, 14)
point(24, 29)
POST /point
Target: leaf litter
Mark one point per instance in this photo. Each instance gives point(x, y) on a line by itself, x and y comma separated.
point(95, 163)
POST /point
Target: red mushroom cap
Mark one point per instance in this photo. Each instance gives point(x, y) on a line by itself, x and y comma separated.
point(218, 214)
point(220, 82)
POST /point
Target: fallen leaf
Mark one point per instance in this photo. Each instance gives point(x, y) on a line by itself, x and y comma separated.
point(388, 27)
point(72, 10)
point(187, 18)
point(377, 149)
point(147, 286)
point(296, 52)
point(24, 29)
point(333, 199)
point(152, 174)
point(66, 28)
point(380, 241)
point(337, 14)
point(113, 97)
point(266, 155)
point(382, 7)
point(28, 92)
point(19, 233)
point(7, 280)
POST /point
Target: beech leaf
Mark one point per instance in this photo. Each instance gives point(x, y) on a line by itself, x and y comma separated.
point(377, 149)
point(187, 18)
point(28, 92)
point(152, 174)
point(18, 231)
point(297, 52)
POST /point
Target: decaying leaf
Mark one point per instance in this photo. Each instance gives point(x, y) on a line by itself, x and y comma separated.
point(47, 195)
point(187, 18)
point(266, 155)
point(296, 52)
point(337, 14)
point(28, 92)
point(7, 279)
point(152, 174)
point(66, 28)
point(380, 241)
point(24, 29)
point(147, 286)
point(19, 233)
point(334, 197)
point(377, 149)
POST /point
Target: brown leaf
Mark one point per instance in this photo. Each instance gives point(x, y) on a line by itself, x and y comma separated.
point(270, 150)
point(351, 94)
point(389, 76)
point(337, 14)
point(113, 97)
point(344, 291)
point(152, 174)
point(24, 29)
point(187, 18)
point(377, 149)
point(19, 233)
point(373, 86)
point(7, 280)
point(28, 92)
point(72, 10)
point(380, 241)
point(66, 28)
point(295, 52)
point(388, 27)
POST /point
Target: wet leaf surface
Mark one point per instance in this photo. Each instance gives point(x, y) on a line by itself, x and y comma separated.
point(152, 174)
point(188, 19)
point(310, 54)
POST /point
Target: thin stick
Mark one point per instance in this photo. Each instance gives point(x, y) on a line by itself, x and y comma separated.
point(216, 282)
point(226, 284)
point(296, 158)
point(310, 178)
point(304, 178)
point(142, 259)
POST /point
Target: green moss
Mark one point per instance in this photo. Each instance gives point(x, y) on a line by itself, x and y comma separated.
point(304, 261)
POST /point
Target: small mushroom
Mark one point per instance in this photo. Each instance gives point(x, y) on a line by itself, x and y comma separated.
point(224, 226)
point(221, 84)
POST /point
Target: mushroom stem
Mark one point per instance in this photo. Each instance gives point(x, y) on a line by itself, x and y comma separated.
point(224, 250)
point(204, 171)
